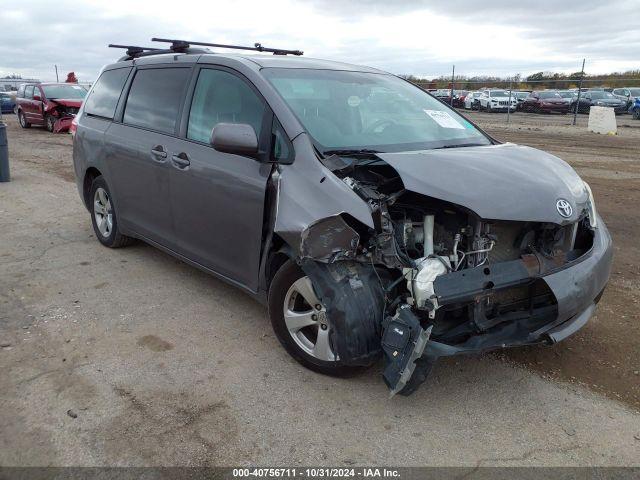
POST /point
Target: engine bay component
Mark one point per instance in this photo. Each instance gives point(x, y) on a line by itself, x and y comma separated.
point(403, 342)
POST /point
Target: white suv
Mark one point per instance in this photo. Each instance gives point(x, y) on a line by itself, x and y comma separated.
point(497, 100)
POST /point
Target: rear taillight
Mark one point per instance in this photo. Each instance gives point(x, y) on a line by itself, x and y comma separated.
point(74, 125)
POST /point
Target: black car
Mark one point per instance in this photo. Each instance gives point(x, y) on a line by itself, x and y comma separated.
point(599, 98)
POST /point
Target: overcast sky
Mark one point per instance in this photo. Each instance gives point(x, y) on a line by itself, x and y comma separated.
point(419, 37)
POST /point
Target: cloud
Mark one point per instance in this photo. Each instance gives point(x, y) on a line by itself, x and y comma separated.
point(417, 37)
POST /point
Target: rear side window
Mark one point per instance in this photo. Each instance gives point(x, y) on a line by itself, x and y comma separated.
point(20, 93)
point(222, 97)
point(106, 92)
point(28, 93)
point(155, 97)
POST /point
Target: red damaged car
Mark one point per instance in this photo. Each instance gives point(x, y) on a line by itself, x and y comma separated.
point(52, 105)
point(546, 101)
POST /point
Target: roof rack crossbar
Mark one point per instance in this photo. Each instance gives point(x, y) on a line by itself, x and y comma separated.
point(181, 45)
point(132, 50)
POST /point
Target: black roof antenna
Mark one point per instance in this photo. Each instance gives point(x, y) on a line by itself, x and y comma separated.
point(182, 45)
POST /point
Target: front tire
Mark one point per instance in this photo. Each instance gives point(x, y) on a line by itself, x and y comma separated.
point(49, 122)
point(300, 324)
point(23, 120)
point(636, 113)
point(103, 216)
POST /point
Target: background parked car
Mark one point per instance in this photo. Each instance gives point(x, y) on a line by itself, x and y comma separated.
point(599, 98)
point(48, 103)
point(7, 103)
point(627, 94)
point(496, 100)
point(472, 100)
point(546, 101)
point(634, 109)
point(569, 95)
point(520, 96)
point(458, 98)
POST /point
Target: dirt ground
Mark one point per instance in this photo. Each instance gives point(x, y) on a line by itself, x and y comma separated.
point(130, 357)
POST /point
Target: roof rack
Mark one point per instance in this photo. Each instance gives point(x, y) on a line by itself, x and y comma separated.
point(183, 45)
point(133, 51)
point(136, 52)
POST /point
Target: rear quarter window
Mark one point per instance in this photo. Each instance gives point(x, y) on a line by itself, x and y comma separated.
point(155, 97)
point(103, 99)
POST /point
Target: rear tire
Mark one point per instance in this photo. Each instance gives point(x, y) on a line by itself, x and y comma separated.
point(103, 216)
point(299, 342)
point(636, 113)
point(23, 120)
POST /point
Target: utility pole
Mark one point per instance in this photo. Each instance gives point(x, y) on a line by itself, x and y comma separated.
point(4, 152)
point(453, 77)
point(575, 111)
point(57, 79)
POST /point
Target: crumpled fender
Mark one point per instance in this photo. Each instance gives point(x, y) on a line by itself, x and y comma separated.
point(62, 125)
point(307, 193)
point(353, 296)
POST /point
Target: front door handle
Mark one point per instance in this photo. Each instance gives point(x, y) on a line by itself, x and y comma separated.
point(181, 160)
point(159, 153)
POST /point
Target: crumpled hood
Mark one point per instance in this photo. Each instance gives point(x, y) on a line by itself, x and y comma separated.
point(498, 182)
point(67, 102)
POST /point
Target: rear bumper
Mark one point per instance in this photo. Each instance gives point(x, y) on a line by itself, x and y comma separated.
point(576, 287)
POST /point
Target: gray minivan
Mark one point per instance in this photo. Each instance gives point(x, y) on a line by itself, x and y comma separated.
point(374, 221)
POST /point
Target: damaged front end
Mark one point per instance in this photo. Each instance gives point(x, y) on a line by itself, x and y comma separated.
point(60, 114)
point(429, 278)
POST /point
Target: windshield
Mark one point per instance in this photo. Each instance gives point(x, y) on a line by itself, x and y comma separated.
point(357, 110)
point(521, 94)
point(566, 94)
point(602, 95)
point(499, 93)
point(64, 91)
point(635, 92)
point(549, 95)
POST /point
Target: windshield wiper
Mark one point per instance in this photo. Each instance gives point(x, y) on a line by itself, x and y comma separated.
point(461, 145)
point(355, 152)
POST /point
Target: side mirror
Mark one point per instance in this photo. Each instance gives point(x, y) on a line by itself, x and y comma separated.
point(37, 97)
point(237, 138)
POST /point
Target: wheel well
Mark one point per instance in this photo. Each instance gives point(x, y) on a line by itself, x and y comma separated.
point(90, 175)
point(278, 255)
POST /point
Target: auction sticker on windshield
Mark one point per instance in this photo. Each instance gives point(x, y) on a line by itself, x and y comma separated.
point(444, 119)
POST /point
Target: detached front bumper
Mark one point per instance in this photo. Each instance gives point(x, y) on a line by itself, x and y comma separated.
point(576, 286)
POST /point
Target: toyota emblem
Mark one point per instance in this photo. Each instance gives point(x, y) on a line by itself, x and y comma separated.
point(564, 208)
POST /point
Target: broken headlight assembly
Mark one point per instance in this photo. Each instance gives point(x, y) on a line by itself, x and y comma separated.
point(593, 219)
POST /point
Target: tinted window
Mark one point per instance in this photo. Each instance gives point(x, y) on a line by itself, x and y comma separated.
point(280, 150)
point(104, 97)
point(222, 97)
point(155, 97)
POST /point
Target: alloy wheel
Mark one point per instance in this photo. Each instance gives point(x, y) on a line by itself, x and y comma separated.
point(306, 320)
point(103, 212)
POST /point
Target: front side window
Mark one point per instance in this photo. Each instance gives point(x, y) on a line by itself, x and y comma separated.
point(221, 97)
point(155, 97)
point(106, 92)
point(359, 110)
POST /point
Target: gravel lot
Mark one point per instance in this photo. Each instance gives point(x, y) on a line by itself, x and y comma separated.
point(130, 357)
